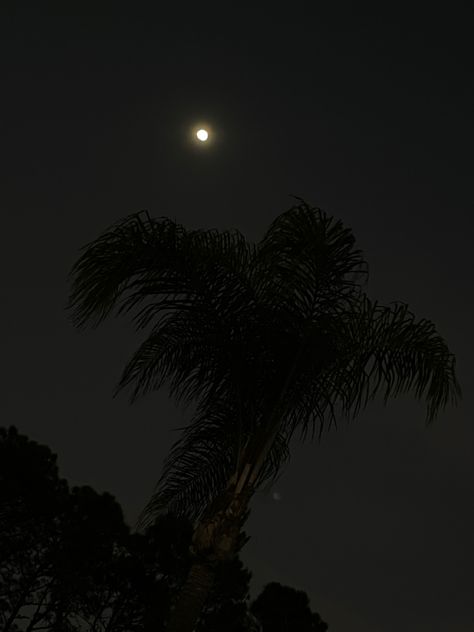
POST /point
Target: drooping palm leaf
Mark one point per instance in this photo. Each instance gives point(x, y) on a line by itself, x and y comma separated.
point(140, 257)
point(185, 283)
point(399, 354)
point(311, 259)
point(203, 460)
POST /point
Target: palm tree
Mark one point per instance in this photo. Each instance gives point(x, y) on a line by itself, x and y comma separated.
point(266, 339)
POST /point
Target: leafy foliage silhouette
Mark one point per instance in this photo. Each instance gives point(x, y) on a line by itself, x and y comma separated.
point(67, 560)
point(69, 563)
point(281, 609)
point(266, 339)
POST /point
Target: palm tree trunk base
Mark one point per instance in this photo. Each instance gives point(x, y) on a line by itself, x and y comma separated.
point(188, 607)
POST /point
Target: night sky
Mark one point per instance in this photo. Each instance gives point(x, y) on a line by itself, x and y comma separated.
point(369, 116)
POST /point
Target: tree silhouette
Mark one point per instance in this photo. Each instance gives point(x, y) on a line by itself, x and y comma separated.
point(67, 560)
point(69, 563)
point(31, 496)
point(268, 340)
point(284, 609)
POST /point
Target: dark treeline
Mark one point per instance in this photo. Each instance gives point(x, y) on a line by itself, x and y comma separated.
point(69, 563)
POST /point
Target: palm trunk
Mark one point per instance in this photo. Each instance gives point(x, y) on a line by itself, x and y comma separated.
point(216, 538)
point(191, 599)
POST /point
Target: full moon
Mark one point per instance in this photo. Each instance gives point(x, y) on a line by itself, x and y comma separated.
point(202, 135)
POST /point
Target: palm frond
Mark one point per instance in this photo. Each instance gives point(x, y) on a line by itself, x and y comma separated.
point(202, 462)
point(374, 349)
point(398, 354)
point(140, 257)
point(186, 284)
point(183, 349)
point(199, 465)
point(310, 260)
point(128, 248)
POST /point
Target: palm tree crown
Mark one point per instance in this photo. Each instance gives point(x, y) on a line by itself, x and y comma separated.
point(267, 339)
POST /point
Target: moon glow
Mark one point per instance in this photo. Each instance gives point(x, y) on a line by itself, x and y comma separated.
point(202, 135)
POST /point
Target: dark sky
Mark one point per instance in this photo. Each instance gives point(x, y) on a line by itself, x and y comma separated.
point(369, 116)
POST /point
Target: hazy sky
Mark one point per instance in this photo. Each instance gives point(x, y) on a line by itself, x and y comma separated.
point(367, 116)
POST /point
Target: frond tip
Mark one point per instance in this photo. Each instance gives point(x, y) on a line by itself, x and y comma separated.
point(398, 354)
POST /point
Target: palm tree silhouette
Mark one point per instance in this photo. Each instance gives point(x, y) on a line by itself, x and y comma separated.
point(266, 339)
